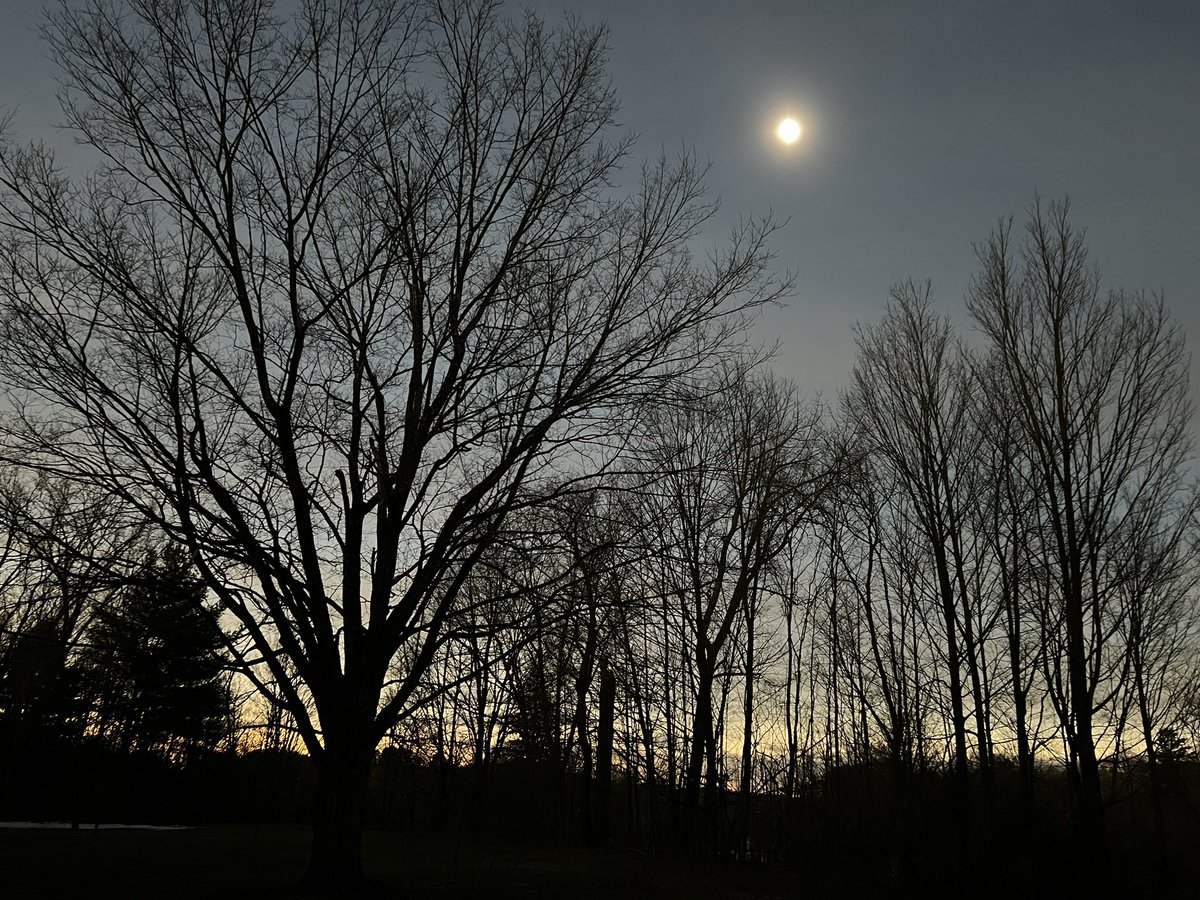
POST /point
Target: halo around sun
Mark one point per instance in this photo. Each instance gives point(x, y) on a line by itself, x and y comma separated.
point(788, 131)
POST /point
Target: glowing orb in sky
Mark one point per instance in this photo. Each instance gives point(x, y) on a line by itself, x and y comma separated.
point(788, 131)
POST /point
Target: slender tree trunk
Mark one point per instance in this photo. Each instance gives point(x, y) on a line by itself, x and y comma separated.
point(746, 796)
point(1024, 750)
point(645, 727)
point(702, 737)
point(1090, 798)
point(1012, 608)
point(959, 718)
point(791, 715)
point(1156, 799)
point(974, 643)
point(584, 786)
point(583, 686)
point(671, 735)
point(983, 735)
point(604, 751)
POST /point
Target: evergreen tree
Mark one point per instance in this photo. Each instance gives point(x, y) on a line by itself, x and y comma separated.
point(154, 673)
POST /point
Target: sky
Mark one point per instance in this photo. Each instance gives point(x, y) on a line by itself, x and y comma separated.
point(925, 122)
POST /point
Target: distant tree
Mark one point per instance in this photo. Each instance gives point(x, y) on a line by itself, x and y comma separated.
point(342, 286)
point(1156, 586)
point(33, 680)
point(741, 468)
point(152, 665)
point(1173, 747)
point(66, 550)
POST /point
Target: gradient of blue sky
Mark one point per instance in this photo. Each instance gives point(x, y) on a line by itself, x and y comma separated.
point(924, 123)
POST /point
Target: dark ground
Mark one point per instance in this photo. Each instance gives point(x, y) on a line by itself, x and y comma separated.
point(266, 862)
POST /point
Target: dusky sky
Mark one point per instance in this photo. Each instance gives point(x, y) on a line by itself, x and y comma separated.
point(924, 123)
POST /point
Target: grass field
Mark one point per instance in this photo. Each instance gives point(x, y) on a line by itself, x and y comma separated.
point(267, 862)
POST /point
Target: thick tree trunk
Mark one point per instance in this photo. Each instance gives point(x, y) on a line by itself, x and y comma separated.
point(1091, 803)
point(583, 789)
point(335, 858)
point(714, 796)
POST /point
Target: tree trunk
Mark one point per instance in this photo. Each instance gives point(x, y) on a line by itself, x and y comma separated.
point(791, 723)
point(702, 736)
point(583, 686)
point(1024, 751)
point(959, 718)
point(1156, 798)
point(335, 858)
point(604, 751)
point(1090, 798)
point(747, 774)
point(1012, 611)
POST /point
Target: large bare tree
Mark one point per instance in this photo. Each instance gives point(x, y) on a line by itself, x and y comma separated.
point(342, 286)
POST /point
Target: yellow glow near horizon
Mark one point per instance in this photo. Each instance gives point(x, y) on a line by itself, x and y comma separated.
point(788, 131)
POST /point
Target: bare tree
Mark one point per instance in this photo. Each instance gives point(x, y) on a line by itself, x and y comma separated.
point(1101, 388)
point(1008, 518)
point(912, 401)
point(1156, 586)
point(877, 611)
point(341, 286)
point(740, 472)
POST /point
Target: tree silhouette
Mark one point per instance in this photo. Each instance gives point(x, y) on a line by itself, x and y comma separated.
point(342, 286)
point(1100, 388)
point(911, 400)
point(152, 667)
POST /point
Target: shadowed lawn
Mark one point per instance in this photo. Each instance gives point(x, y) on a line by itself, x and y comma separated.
point(267, 862)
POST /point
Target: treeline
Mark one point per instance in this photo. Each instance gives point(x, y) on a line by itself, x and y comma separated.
point(979, 569)
point(961, 604)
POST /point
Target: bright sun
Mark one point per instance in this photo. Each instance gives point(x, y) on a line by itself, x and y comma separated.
point(788, 131)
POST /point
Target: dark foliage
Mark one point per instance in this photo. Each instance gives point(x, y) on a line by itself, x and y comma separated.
point(151, 674)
